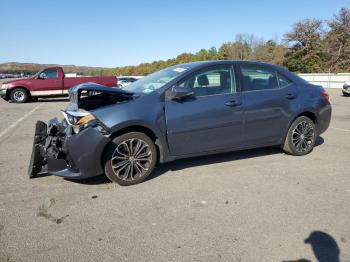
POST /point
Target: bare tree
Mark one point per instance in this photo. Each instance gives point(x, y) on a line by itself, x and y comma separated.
point(305, 46)
point(306, 35)
point(337, 41)
point(270, 52)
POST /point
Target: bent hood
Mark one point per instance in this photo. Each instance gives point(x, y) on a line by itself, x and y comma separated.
point(90, 86)
point(90, 96)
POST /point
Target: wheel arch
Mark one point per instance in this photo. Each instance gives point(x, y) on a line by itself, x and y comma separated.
point(308, 113)
point(15, 87)
point(147, 131)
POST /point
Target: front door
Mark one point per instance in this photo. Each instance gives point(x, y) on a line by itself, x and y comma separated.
point(212, 119)
point(47, 83)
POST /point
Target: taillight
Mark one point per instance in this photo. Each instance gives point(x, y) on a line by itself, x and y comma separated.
point(325, 94)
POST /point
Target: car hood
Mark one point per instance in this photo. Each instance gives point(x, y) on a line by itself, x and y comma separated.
point(90, 96)
point(15, 81)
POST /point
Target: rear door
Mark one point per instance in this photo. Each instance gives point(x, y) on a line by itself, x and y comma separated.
point(47, 83)
point(210, 120)
point(269, 100)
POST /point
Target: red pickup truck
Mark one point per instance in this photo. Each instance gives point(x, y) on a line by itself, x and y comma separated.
point(48, 82)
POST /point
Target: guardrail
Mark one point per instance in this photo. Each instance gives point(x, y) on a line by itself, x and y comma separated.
point(327, 80)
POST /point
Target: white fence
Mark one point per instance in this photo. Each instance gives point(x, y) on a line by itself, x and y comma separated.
point(327, 80)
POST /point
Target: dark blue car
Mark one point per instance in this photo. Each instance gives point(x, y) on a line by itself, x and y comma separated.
point(182, 111)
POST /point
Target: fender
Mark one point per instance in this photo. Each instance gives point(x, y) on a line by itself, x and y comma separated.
point(25, 84)
point(142, 126)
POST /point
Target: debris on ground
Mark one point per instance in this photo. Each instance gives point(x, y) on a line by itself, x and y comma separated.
point(43, 211)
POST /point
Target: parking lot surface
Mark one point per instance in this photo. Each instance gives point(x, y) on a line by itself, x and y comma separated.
point(254, 205)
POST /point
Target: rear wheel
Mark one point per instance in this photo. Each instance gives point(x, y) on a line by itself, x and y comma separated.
point(130, 158)
point(301, 137)
point(19, 95)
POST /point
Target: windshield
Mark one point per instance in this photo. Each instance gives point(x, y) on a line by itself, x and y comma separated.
point(156, 80)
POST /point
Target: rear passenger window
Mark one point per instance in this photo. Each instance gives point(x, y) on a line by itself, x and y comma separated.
point(216, 81)
point(257, 77)
point(283, 81)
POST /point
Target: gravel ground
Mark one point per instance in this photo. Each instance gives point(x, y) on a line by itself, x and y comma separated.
point(254, 205)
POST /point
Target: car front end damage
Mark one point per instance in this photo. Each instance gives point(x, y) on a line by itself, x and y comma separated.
point(73, 147)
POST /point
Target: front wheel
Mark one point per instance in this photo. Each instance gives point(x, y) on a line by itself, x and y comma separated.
point(301, 137)
point(130, 158)
point(19, 95)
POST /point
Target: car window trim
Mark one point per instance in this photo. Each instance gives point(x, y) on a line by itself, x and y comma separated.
point(290, 81)
point(209, 68)
point(239, 65)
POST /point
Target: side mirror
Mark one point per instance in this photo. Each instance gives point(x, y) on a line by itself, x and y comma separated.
point(178, 93)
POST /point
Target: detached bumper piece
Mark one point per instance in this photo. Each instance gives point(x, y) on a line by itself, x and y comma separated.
point(57, 151)
point(37, 160)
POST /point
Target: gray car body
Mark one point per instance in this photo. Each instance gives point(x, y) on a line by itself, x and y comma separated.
point(197, 126)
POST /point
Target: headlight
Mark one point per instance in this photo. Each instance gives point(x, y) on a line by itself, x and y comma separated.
point(82, 119)
point(78, 117)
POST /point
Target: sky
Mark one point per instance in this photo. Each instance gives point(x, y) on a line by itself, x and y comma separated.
point(118, 33)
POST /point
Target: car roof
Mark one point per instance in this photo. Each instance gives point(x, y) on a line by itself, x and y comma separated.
point(220, 62)
point(201, 64)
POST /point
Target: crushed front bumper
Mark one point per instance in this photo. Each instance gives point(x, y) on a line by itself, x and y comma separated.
point(57, 151)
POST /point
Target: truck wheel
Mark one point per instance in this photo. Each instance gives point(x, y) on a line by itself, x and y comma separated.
point(130, 158)
point(301, 137)
point(19, 95)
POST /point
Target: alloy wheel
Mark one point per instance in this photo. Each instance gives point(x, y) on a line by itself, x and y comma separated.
point(131, 159)
point(303, 136)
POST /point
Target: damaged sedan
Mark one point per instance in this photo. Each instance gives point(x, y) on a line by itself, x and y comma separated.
point(182, 111)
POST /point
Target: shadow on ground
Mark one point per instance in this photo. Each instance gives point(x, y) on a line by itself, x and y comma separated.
point(324, 247)
point(201, 161)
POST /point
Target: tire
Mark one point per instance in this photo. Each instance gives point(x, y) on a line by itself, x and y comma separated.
point(301, 137)
point(127, 167)
point(19, 95)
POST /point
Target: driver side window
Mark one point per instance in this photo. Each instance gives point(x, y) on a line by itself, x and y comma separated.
point(214, 81)
point(49, 73)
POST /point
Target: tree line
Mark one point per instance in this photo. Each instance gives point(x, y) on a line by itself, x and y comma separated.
point(312, 45)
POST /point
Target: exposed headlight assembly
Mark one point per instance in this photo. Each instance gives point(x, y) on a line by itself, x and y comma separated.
point(82, 119)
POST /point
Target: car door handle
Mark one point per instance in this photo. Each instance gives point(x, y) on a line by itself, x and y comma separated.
point(233, 103)
point(57, 81)
point(290, 96)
